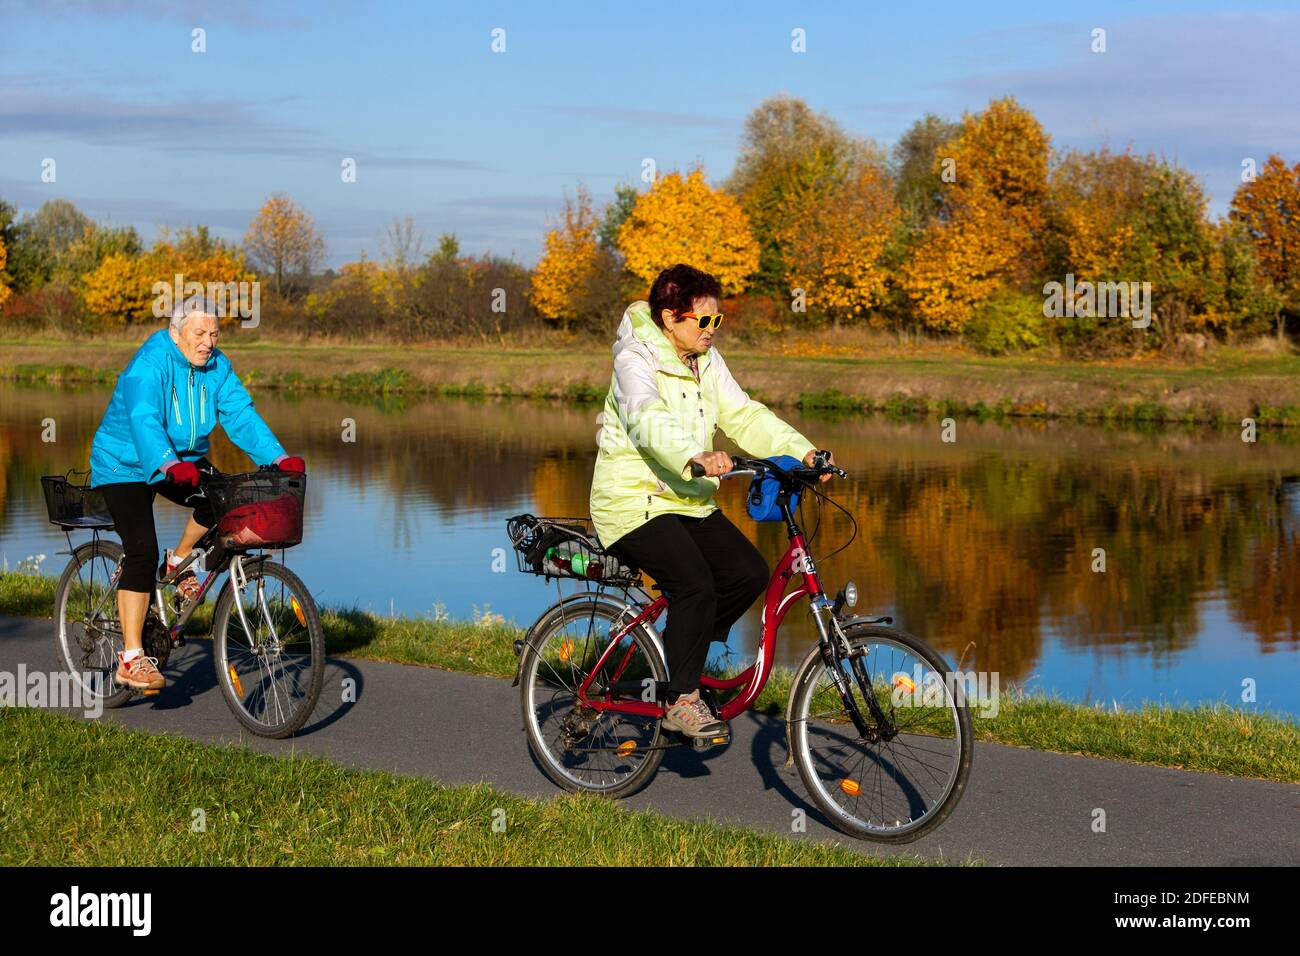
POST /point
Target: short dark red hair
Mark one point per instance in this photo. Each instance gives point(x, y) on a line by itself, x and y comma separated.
point(677, 288)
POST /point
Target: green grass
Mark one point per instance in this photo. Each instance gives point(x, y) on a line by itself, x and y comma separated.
point(86, 794)
point(1216, 739)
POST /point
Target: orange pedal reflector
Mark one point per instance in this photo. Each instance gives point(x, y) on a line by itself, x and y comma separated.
point(297, 611)
point(234, 679)
point(566, 649)
point(152, 692)
point(626, 747)
point(850, 786)
point(905, 682)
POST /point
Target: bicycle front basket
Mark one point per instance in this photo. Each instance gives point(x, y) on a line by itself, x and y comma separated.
point(74, 506)
point(259, 509)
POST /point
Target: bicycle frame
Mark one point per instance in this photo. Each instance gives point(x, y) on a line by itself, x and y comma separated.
point(753, 679)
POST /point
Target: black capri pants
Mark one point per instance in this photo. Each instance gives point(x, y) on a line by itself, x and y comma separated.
point(131, 505)
point(711, 574)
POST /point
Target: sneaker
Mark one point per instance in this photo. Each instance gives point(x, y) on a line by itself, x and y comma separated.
point(187, 585)
point(692, 717)
point(140, 672)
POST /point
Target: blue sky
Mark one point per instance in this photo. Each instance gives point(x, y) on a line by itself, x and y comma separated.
point(487, 145)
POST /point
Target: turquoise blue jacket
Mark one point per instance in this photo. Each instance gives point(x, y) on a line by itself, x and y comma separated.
point(163, 409)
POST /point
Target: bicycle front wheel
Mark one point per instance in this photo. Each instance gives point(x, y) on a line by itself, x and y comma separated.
point(580, 747)
point(268, 647)
point(905, 775)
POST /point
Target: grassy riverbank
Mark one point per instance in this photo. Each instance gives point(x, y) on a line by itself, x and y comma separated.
point(1216, 739)
point(63, 780)
point(1222, 387)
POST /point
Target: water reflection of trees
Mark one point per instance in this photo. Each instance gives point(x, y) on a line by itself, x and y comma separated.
point(984, 544)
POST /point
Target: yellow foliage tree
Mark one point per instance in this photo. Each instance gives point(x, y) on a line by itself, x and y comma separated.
point(119, 291)
point(282, 240)
point(1269, 207)
point(832, 246)
point(567, 262)
point(685, 220)
point(5, 291)
point(993, 218)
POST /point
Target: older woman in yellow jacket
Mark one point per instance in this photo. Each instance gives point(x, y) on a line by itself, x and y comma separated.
point(669, 393)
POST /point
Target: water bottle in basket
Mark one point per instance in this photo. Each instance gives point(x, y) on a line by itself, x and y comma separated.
point(570, 558)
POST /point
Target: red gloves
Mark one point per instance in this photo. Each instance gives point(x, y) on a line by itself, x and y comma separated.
point(183, 473)
point(292, 463)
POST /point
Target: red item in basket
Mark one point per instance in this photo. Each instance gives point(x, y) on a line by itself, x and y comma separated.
point(254, 525)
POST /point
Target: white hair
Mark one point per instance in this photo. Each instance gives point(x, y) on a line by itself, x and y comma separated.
point(199, 303)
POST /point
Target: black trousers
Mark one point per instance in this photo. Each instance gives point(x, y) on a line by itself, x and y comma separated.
point(131, 505)
point(711, 573)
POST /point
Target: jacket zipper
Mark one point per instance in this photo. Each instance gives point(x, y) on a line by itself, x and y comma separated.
point(191, 399)
point(203, 404)
point(176, 406)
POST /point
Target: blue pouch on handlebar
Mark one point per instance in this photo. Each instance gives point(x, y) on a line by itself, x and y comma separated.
point(761, 503)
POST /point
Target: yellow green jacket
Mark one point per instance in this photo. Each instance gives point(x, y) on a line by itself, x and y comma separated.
point(657, 418)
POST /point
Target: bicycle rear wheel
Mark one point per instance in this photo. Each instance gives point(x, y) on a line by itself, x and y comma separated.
point(578, 747)
point(906, 775)
point(269, 659)
point(87, 629)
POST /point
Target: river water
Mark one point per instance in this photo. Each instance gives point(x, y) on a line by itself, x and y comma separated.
point(986, 546)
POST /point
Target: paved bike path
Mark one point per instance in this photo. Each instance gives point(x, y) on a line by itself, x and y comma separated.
point(1021, 807)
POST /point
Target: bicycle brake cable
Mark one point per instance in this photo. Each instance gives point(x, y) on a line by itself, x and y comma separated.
point(852, 519)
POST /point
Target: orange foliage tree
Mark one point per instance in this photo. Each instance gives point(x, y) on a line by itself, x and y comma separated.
point(1269, 207)
point(832, 246)
point(4, 289)
point(990, 228)
point(683, 219)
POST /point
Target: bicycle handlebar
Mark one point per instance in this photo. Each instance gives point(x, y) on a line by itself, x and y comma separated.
point(753, 466)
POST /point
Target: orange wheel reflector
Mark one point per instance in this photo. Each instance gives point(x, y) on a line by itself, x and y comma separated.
point(297, 611)
point(565, 650)
point(234, 679)
point(626, 747)
point(905, 682)
point(850, 786)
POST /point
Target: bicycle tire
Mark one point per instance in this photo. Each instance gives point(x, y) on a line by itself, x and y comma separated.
point(802, 692)
point(610, 611)
point(221, 620)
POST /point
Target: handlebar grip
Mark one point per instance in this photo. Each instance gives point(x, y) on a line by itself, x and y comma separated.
point(697, 470)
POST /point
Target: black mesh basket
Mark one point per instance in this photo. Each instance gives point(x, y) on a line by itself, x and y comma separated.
point(566, 548)
point(260, 509)
point(74, 506)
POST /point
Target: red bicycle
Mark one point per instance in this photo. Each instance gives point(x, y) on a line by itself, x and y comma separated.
point(876, 723)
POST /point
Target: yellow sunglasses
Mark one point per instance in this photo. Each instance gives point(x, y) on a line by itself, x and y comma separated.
point(705, 321)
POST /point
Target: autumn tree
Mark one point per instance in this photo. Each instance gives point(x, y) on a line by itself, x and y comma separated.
point(567, 262)
point(1268, 206)
point(683, 219)
point(4, 287)
point(119, 291)
point(282, 242)
point(919, 186)
point(990, 226)
point(788, 151)
point(833, 246)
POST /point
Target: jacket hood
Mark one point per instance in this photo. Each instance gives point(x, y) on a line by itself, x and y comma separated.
point(639, 331)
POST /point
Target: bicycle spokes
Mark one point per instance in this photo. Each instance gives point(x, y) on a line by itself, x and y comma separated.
point(92, 631)
point(884, 738)
point(268, 652)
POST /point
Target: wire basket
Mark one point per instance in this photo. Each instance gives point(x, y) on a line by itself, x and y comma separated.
point(566, 548)
point(74, 506)
point(259, 509)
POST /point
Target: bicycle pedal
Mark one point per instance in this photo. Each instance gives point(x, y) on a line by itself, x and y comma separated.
point(714, 740)
point(153, 692)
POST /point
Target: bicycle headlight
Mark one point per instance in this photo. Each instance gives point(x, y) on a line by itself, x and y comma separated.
point(850, 594)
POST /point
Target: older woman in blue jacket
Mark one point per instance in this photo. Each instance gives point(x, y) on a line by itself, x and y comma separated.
point(152, 440)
